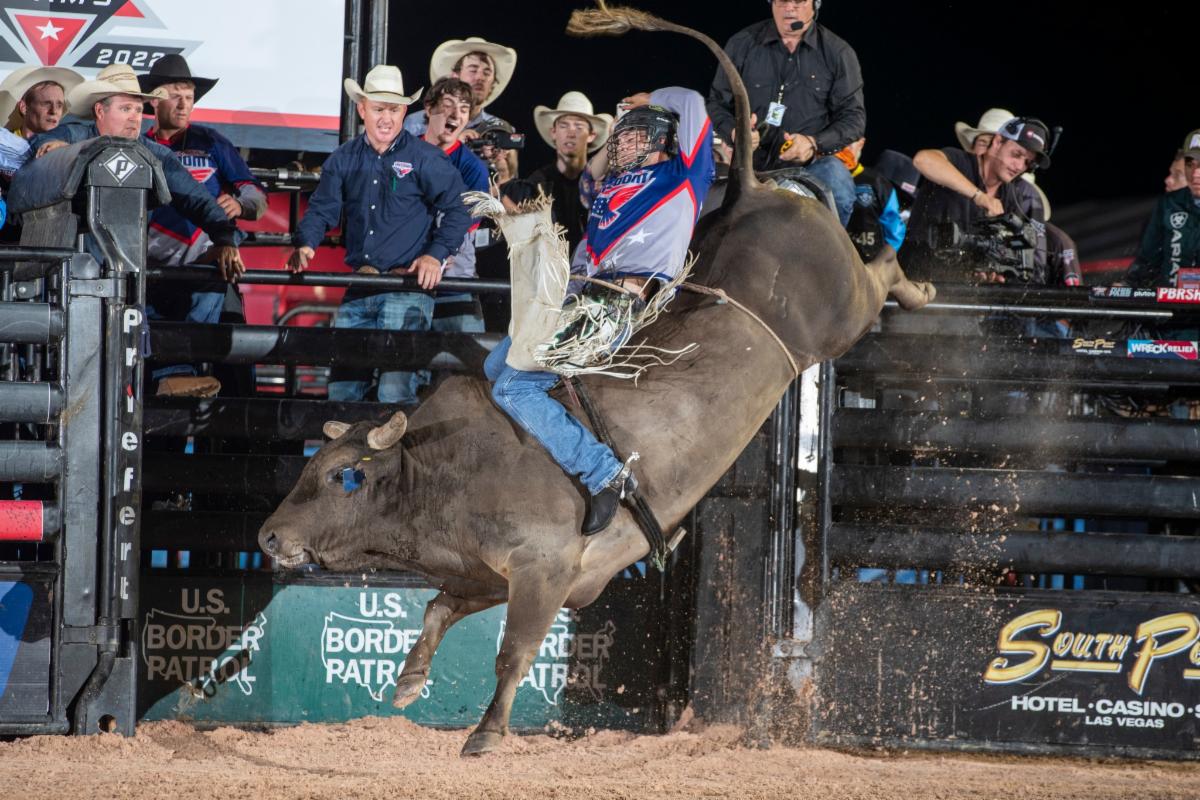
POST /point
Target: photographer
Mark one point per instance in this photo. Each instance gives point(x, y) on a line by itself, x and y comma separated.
point(967, 189)
point(487, 68)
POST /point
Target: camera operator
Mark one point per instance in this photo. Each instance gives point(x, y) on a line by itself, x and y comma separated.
point(487, 68)
point(971, 190)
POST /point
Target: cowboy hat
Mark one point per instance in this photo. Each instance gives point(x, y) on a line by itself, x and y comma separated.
point(383, 84)
point(577, 105)
point(449, 52)
point(173, 68)
point(22, 79)
point(113, 79)
point(991, 122)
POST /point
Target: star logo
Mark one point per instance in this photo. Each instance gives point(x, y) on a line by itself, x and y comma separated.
point(639, 237)
point(82, 34)
point(49, 37)
point(48, 30)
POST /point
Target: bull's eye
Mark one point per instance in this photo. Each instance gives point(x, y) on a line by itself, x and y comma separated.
point(352, 479)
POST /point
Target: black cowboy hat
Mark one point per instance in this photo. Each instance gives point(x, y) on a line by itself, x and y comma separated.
point(174, 68)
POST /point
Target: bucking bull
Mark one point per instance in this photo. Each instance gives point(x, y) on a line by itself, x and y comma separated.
point(462, 496)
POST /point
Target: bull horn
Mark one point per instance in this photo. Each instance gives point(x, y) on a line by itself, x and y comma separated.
point(388, 433)
point(333, 429)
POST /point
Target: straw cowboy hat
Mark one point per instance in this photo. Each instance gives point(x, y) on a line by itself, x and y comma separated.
point(449, 52)
point(113, 79)
point(383, 84)
point(991, 122)
point(577, 105)
point(22, 79)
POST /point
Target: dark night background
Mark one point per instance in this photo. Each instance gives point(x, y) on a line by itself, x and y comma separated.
point(1121, 82)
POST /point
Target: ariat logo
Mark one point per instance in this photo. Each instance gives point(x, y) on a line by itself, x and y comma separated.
point(1178, 220)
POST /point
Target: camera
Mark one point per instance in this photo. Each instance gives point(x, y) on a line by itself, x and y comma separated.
point(1006, 245)
point(497, 137)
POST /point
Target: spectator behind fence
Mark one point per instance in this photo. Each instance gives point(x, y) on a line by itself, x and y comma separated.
point(487, 68)
point(111, 105)
point(963, 188)
point(1176, 177)
point(806, 92)
point(876, 219)
point(448, 107)
point(33, 100)
point(173, 240)
point(1169, 254)
point(404, 214)
point(574, 131)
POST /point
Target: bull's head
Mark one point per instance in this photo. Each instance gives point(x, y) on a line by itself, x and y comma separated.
point(343, 486)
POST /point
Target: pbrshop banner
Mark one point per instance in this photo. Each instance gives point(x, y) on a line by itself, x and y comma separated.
point(278, 62)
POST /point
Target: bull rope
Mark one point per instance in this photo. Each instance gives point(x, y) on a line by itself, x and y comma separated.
point(723, 297)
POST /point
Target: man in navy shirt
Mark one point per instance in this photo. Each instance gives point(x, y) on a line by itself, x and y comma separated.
point(404, 213)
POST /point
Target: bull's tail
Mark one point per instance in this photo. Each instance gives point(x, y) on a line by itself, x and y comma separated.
point(606, 21)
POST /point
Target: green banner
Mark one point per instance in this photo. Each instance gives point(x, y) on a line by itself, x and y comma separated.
point(248, 650)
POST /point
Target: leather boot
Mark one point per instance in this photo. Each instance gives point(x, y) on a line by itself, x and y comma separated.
point(602, 507)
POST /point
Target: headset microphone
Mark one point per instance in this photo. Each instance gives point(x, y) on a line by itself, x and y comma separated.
point(797, 25)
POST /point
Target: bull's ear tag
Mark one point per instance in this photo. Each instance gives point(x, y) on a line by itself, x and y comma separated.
point(352, 479)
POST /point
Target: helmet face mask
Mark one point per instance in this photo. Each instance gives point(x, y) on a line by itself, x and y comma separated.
point(638, 134)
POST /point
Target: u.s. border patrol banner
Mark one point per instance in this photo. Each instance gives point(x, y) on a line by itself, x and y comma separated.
point(250, 649)
point(278, 63)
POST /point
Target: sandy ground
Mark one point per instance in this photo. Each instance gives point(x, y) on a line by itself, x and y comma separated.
point(393, 758)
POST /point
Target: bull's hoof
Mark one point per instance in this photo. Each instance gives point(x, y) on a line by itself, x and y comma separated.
point(481, 743)
point(408, 689)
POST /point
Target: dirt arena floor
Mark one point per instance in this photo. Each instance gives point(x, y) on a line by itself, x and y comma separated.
point(393, 758)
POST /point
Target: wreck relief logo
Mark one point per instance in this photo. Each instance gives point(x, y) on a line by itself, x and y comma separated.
point(369, 650)
point(567, 657)
point(80, 34)
point(193, 650)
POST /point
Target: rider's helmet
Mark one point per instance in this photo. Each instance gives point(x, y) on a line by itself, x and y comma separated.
point(638, 133)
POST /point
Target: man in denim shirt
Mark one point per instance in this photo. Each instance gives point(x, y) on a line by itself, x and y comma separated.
point(404, 214)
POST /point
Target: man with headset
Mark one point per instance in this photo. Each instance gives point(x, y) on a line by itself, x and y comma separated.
point(806, 92)
point(962, 188)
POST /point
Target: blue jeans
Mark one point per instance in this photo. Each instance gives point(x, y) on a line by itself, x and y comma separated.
point(833, 173)
point(524, 397)
point(183, 306)
point(399, 311)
